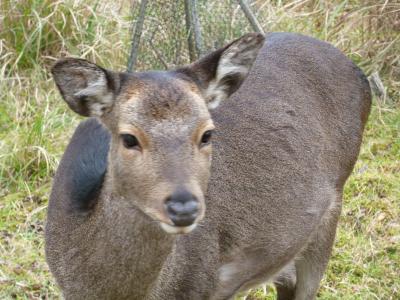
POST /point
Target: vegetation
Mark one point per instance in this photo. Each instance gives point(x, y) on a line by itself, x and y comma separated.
point(35, 125)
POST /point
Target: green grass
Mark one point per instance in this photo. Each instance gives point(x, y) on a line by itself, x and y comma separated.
point(35, 125)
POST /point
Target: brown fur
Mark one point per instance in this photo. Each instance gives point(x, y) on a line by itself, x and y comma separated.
point(284, 146)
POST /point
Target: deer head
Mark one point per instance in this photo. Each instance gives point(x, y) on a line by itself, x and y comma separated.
point(160, 125)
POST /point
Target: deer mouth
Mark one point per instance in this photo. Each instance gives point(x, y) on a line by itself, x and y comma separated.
point(182, 226)
point(172, 229)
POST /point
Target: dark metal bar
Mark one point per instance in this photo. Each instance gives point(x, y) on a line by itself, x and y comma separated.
point(136, 37)
point(250, 16)
point(195, 26)
point(189, 32)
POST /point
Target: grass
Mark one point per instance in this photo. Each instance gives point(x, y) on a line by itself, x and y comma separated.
point(35, 125)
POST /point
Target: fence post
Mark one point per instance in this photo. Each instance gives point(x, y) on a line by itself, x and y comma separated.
point(250, 16)
point(136, 37)
point(194, 31)
point(189, 32)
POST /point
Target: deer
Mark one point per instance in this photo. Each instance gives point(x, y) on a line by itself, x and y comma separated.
point(207, 180)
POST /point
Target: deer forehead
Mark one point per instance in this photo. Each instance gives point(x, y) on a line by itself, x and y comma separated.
point(169, 106)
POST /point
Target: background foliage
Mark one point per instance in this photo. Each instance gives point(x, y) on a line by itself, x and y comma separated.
point(35, 125)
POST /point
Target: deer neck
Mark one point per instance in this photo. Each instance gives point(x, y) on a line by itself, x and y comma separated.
point(135, 242)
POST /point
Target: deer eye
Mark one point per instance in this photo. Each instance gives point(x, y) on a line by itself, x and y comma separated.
point(206, 138)
point(130, 141)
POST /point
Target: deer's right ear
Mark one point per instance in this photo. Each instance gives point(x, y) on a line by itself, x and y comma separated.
point(88, 89)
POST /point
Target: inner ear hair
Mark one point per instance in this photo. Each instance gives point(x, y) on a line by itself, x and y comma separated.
point(220, 73)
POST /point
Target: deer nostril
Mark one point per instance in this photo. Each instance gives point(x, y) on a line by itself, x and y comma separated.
point(179, 208)
point(182, 208)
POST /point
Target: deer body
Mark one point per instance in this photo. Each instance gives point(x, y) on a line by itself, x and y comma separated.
point(285, 143)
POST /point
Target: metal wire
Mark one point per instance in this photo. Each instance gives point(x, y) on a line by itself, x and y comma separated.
point(177, 32)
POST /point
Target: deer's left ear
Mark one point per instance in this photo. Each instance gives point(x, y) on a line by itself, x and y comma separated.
point(221, 72)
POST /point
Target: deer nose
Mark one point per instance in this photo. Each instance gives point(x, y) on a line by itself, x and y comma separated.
point(182, 208)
